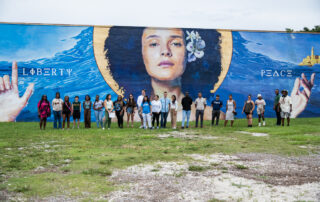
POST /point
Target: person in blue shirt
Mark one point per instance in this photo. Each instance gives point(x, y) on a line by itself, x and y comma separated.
point(146, 112)
point(216, 106)
point(165, 108)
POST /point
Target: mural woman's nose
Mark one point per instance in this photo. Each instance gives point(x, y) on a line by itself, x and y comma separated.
point(166, 51)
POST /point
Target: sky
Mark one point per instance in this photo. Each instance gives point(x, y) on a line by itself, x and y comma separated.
point(273, 15)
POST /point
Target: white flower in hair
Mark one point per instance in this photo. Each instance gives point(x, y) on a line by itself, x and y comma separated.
point(195, 46)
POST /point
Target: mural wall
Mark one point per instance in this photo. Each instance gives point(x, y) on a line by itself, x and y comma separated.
point(79, 61)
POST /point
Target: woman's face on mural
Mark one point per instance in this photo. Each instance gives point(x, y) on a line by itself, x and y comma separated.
point(163, 52)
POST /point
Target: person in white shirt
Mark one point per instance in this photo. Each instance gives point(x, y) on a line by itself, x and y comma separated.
point(98, 111)
point(173, 111)
point(285, 106)
point(139, 102)
point(156, 109)
point(261, 106)
point(57, 110)
point(200, 104)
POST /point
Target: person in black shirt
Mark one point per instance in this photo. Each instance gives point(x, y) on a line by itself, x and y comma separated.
point(119, 106)
point(186, 109)
point(216, 106)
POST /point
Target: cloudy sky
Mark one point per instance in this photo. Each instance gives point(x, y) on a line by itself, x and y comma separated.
point(221, 14)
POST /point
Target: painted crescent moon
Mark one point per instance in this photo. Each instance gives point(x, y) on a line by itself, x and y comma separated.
point(101, 33)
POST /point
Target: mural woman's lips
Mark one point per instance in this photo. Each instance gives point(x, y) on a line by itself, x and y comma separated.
point(165, 64)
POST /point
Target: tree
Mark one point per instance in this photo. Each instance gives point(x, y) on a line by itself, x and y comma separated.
point(306, 29)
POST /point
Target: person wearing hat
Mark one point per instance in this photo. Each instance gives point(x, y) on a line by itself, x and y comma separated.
point(261, 106)
point(285, 106)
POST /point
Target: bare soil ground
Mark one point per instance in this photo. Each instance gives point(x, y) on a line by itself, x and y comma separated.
point(242, 177)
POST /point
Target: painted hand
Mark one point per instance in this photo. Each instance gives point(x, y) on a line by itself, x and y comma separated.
point(10, 102)
point(299, 97)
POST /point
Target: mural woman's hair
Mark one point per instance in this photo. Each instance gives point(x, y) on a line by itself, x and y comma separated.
point(124, 53)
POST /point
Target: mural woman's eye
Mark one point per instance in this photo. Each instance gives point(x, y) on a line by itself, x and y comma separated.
point(177, 44)
point(153, 44)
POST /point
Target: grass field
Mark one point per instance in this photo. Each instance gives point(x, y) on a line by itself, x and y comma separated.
point(78, 162)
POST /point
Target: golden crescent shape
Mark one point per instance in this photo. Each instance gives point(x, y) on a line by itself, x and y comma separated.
point(100, 34)
point(226, 47)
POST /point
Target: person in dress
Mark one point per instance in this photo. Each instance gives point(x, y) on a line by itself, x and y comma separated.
point(139, 102)
point(130, 109)
point(200, 104)
point(173, 111)
point(76, 110)
point(146, 112)
point(108, 105)
point(286, 107)
point(156, 109)
point(87, 111)
point(98, 111)
point(261, 107)
point(248, 108)
point(44, 111)
point(230, 110)
point(66, 112)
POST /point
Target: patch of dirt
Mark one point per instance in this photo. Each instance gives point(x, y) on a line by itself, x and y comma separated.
point(254, 134)
point(247, 177)
point(186, 135)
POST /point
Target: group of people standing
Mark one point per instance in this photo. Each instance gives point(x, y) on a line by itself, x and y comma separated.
point(154, 113)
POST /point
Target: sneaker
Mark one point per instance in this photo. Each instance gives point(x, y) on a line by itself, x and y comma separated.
point(259, 124)
point(103, 128)
point(141, 127)
point(108, 128)
point(157, 127)
point(182, 127)
point(187, 127)
point(264, 123)
point(78, 127)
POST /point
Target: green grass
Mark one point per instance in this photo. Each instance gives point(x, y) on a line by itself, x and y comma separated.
point(78, 163)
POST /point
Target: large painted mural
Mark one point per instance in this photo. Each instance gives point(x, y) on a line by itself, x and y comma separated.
point(81, 60)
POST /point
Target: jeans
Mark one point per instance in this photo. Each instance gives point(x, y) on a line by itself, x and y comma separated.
point(199, 113)
point(155, 117)
point(146, 119)
point(99, 117)
point(215, 115)
point(184, 115)
point(164, 116)
point(57, 118)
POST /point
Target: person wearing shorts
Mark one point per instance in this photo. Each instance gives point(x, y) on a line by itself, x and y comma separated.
point(261, 106)
point(248, 108)
point(286, 107)
point(130, 108)
point(76, 110)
